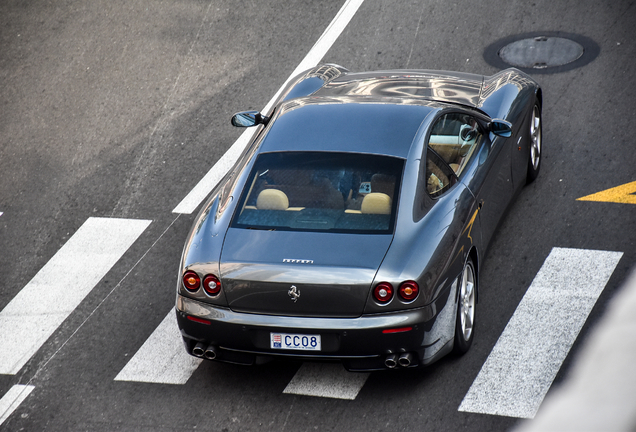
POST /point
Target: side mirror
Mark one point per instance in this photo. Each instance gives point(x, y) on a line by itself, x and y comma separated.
point(248, 119)
point(501, 128)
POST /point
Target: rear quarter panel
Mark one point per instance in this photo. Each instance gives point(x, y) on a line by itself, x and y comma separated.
point(430, 251)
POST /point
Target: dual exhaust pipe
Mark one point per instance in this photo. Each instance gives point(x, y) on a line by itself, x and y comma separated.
point(392, 360)
point(403, 360)
point(201, 350)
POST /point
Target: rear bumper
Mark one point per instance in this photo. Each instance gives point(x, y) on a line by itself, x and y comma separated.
point(360, 343)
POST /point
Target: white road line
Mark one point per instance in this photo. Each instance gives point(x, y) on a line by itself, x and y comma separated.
point(216, 173)
point(328, 380)
point(227, 161)
point(162, 359)
point(12, 400)
point(61, 285)
point(521, 367)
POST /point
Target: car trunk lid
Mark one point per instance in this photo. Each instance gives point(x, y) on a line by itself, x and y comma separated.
point(331, 272)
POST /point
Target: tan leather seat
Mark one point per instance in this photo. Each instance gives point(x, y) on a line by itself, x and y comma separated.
point(272, 199)
point(376, 203)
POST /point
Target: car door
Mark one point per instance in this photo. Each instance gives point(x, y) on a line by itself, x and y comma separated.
point(489, 178)
point(451, 150)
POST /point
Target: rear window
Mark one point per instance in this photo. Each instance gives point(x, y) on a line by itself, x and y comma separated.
point(321, 191)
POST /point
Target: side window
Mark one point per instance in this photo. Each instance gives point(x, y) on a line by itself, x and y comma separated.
point(454, 137)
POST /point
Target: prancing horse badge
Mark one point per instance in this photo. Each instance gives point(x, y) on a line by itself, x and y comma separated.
point(294, 293)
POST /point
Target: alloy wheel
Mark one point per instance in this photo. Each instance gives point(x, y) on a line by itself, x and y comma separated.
point(467, 301)
point(535, 136)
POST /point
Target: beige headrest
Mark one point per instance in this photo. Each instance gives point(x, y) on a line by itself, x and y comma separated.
point(272, 199)
point(376, 203)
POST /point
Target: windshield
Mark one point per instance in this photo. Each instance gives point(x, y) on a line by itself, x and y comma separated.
point(321, 191)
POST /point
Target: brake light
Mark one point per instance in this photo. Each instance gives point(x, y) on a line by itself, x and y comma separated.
point(409, 290)
point(191, 281)
point(383, 292)
point(199, 320)
point(211, 285)
point(397, 330)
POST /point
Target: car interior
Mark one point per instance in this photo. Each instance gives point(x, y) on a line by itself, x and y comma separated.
point(321, 196)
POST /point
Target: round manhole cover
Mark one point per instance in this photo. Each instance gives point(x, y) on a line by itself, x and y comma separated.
point(541, 52)
point(547, 52)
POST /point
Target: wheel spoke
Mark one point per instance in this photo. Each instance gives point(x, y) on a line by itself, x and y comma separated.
point(469, 290)
point(468, 325)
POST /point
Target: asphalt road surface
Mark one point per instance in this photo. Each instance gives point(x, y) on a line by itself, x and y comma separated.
point(111, 112)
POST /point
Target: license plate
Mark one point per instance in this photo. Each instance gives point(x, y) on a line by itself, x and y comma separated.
point(294, 341)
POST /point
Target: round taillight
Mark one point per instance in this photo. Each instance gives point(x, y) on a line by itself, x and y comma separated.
point(191, 281)
point(211, 285)
point(383, 292)
point(409, 290)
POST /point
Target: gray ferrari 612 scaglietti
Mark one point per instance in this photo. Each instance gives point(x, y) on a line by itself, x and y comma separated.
point(354, 225)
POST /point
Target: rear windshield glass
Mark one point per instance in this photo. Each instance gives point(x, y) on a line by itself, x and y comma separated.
point(321, 191)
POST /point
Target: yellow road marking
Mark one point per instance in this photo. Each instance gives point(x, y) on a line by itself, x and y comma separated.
point(623, 194)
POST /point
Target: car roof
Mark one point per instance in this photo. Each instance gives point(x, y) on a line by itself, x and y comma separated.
point(347, 124)
point(453, 87)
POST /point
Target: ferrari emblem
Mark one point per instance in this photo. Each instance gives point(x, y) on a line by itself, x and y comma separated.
point(294, 293)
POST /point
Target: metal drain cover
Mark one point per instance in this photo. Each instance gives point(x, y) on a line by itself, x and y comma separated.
point(541, 52)
point(545, 52)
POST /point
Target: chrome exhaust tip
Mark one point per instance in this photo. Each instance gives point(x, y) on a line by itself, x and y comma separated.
point(390, 361)
point(210, 352)
point(405, 359)
point(198, 350)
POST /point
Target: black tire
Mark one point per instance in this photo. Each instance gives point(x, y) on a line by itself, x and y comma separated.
point(466, 301)
point(536, 144)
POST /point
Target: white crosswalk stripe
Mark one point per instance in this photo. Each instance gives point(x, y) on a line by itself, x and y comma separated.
point(162, 359)
point(12, 400)
point(61, 285)
point(328, 380)
point(521, 367)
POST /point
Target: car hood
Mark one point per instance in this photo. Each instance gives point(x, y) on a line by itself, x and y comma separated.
point(332, 272)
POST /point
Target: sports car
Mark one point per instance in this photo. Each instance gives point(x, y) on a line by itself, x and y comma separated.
point(354, 225)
